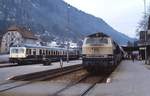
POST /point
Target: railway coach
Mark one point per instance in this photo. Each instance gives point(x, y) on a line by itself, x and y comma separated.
point(40, 54)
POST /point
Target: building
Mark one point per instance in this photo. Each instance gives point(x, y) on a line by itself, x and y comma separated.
point(144, 42)
point(0, 41)
point(17, 36)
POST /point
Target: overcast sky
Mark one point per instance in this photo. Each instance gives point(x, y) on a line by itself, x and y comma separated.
point(122, 15)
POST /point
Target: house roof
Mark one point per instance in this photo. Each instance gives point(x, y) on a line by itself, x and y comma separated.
point(23, 31)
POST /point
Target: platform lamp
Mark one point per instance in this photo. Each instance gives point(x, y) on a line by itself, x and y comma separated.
point(68, 22)
point(145, 28)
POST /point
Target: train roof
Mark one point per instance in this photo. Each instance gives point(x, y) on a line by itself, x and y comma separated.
point(99, 34)
point(44, 47)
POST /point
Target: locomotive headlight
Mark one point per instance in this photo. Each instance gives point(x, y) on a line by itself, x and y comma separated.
point(105, 56)
point(110, 56)
point(83, 56)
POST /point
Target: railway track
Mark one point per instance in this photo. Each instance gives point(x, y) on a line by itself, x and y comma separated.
point(71, 85)
point(87, 77)
point(100, 80)
point(34, 77)
point(82, 79)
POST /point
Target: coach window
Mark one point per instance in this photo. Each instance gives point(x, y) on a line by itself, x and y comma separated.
point(29, 51)
point(61, 52)
point(46, 52)
point(34, 51)
point(54, 52)
point(58, 52)
point(43, 52)
point(40, 52)
point(49, 52)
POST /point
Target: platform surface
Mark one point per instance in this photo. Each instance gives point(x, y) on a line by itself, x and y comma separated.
point(8, 72)
point(4, 58)
point(129, 79)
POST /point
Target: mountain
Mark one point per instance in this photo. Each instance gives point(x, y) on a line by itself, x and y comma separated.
point(53, 20)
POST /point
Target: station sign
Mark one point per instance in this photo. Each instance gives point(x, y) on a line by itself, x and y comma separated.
point(142, 48)
point(148, 32)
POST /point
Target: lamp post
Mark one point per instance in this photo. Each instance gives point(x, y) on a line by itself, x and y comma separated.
point(68, 21)
point(145, 28)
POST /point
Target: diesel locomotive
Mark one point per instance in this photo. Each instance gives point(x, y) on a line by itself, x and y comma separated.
point(100, 53)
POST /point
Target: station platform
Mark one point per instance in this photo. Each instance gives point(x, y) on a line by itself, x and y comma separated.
point(9, 72)
point(129, 79)
point(4, 58)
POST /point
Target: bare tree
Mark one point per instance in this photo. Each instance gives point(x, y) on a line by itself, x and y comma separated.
point(143, 23)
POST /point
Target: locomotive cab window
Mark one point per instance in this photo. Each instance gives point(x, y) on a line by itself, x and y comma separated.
point(96, 41)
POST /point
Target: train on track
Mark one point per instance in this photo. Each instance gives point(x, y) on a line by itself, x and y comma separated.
point(40, 54)
point(100, 53)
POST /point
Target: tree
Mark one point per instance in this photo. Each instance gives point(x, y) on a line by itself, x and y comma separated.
point(143, 24)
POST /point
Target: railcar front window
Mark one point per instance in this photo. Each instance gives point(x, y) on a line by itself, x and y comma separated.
point(17, 50)
point(14, 50)
point(97, 41)
point(21, 51)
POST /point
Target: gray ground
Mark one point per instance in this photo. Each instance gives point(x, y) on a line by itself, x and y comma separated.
point(4, 58)
point(129, 79)
point(9, 72)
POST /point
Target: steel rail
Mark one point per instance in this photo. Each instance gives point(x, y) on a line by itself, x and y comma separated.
point(70, 85)
point(57, 74)
point(92, 86)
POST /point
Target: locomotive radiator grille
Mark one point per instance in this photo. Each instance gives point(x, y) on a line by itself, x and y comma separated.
point(97, 50)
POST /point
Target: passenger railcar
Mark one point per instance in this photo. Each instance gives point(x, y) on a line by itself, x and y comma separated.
point(40, 54)
point(100, 53)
